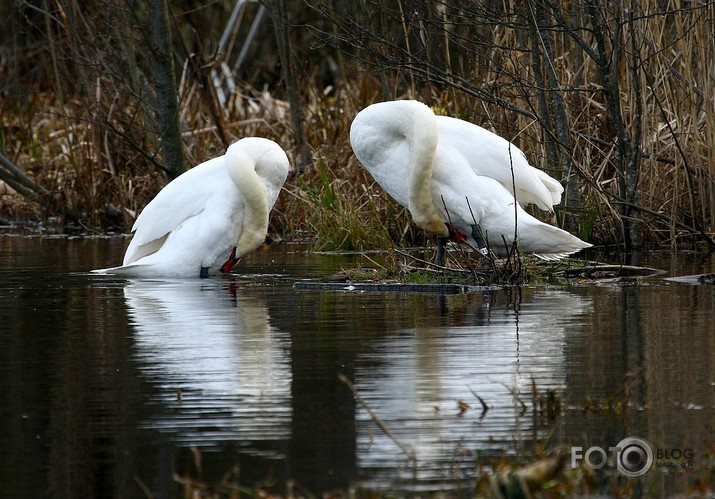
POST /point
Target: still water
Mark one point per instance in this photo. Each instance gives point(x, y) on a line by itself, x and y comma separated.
point(124, 388)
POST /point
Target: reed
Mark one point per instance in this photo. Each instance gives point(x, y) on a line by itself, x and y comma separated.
point(638, 153)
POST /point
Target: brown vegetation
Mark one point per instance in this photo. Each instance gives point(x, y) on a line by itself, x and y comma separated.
point(617, 100)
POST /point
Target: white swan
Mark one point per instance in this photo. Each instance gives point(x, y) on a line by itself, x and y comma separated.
point(206, 219)
point(459, 180)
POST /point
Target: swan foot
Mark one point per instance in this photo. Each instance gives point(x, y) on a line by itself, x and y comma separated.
point(230, 263)
point(204, 272)
point(479, 239)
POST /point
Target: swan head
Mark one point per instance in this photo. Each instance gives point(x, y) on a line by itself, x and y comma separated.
point(431, 224)
point(267, 158)
point(258, 167)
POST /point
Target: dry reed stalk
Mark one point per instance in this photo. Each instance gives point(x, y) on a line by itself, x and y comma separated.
point(486, 52)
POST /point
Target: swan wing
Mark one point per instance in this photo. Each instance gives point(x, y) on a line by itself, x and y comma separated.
point(492, 156)
point(466, 199)
point(181, 199)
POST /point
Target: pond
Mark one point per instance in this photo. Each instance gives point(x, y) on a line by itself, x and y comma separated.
point(145, 388)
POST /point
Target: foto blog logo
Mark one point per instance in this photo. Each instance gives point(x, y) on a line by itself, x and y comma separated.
point(632, 456)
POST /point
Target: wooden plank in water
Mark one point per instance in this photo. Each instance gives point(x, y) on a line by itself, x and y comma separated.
point(440, 289)
point(606, 271)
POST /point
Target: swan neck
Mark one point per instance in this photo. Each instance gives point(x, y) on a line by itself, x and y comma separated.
point(423, 138)
point(242, 170)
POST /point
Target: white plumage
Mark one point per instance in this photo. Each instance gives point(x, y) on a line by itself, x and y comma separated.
point(209, 217)
point(449, 171)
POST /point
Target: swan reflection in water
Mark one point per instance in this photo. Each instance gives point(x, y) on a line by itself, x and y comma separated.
point(221, 371)
point(234, 373)
point(424, 373)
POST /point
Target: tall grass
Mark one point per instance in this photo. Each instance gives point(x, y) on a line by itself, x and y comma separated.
point(97, 149)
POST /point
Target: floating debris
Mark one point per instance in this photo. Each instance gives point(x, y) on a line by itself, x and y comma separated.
point(694, 279)
point(594, 270)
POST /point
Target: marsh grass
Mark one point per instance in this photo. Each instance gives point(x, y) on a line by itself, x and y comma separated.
point(335, 203)
point(463, 266)
point(343, 219)
point(94, 148)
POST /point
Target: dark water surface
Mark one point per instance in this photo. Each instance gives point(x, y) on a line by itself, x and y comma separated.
point(117, 388)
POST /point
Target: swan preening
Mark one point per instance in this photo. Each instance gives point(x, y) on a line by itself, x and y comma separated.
point(459, 180)
point(206, 219)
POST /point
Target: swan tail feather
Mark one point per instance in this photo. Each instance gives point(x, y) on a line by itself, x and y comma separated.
point(548, 242)
point(552, 257)
point(137, 270)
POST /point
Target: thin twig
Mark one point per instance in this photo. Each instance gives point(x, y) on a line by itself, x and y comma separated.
point(431, 264)
point(485, 407)
point(409, 452)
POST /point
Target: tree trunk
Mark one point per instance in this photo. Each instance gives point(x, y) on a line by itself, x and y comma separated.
point(167, 103)
point(283, 40)
point(627, 152)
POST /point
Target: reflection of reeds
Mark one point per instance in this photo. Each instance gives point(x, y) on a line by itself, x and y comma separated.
point(539, 469)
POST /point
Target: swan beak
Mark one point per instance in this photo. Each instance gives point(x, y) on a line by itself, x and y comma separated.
point(230, 263)
point(455, 235)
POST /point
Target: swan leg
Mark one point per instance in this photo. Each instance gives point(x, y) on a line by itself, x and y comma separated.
point(441, 250)
point(204, 272)
point(479, 238)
